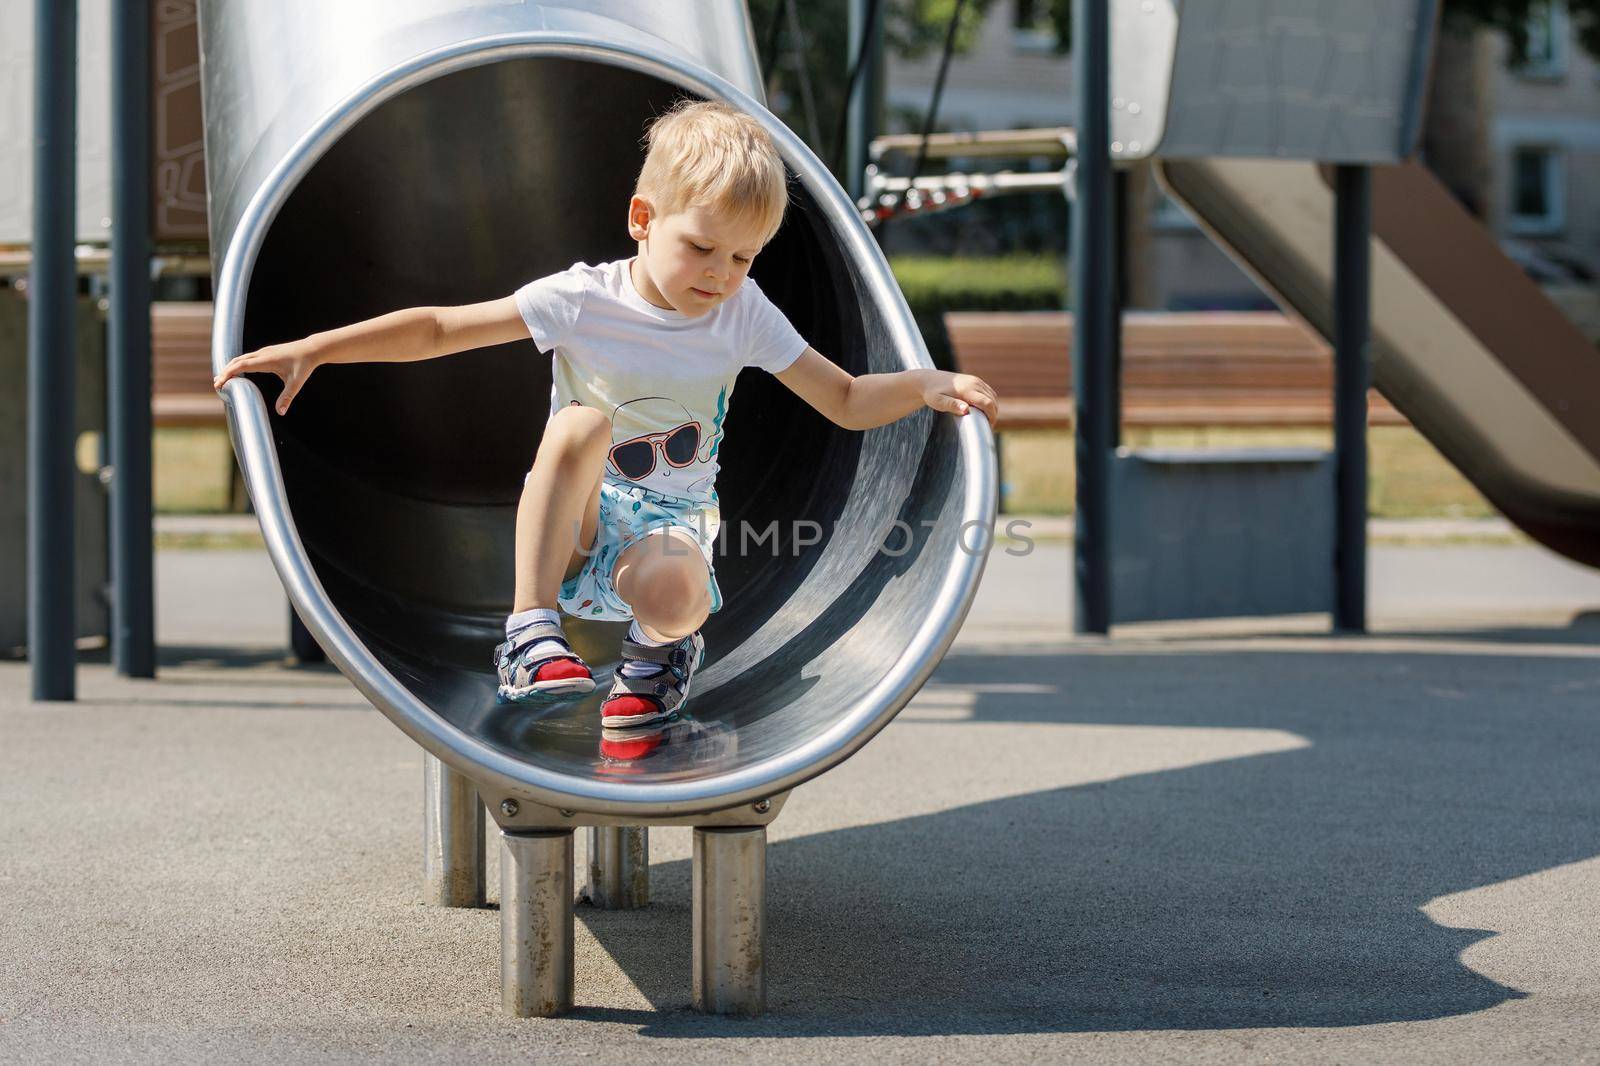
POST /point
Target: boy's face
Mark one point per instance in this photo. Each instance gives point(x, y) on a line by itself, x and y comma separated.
point(691, 260)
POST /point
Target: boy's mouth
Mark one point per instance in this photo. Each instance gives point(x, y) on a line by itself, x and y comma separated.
point(703, 294)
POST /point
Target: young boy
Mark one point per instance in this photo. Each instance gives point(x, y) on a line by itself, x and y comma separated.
point(618, 517)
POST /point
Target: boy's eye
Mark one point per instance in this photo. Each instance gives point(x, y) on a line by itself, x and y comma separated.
point(701, 249)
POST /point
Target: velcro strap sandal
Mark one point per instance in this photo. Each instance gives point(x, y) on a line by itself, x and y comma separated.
point(525, 673)
point(651, 697)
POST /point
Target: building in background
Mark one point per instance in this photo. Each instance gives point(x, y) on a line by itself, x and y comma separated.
point(1538, 123)
point(1544, 151)
point(178, 191)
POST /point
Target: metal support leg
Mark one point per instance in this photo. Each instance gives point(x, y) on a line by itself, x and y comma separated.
point(302, 645)
point(133, 640)
point(452, 846)
point(730, 920)
point(1094, 320)
point(536, 923)
point(1352, 288)
point(52, 357)
point(619, 867)
point(864, 93)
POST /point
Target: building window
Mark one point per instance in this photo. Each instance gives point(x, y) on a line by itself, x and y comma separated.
point(1549, 31)
point(1032, 29)
point(1536, 190)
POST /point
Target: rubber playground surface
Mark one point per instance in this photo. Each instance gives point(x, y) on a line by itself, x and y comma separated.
point(1212, 842)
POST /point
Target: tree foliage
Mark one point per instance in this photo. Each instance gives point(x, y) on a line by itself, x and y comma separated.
point(818, 62)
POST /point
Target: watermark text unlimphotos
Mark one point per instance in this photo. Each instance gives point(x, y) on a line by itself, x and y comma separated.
point(793, 538)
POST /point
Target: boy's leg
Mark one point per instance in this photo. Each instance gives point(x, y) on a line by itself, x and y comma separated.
point(664, 579)
point(559, 511)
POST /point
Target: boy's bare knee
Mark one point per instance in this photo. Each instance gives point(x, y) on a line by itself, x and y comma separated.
point(664, 588)
point(673, 618)
point(577, 428)
point(669, 593)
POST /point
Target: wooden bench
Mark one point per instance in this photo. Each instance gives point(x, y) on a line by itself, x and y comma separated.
point(1178, 369)
point(180, 352)
point(180, 380)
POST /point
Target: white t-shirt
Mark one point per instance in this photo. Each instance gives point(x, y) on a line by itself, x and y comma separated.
point(662, 377)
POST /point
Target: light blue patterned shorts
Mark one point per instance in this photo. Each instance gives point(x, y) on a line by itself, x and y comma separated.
point(628, 514)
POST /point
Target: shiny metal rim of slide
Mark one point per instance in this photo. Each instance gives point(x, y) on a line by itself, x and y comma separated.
point(493, 770)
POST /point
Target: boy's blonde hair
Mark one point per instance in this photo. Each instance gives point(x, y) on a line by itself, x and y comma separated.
point(709, 154)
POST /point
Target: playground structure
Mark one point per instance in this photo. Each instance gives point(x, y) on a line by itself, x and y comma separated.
point(1462, 342)
point(1464, 345)
point(497, 143)
point(339, 178)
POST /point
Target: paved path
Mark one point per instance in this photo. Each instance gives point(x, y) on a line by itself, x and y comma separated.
point(1236, 842)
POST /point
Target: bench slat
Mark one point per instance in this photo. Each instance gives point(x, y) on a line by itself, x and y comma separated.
point(1228, 368)
point(180, 370)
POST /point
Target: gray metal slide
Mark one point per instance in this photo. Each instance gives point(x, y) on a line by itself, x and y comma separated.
point(1463, 343)
point(370, 155)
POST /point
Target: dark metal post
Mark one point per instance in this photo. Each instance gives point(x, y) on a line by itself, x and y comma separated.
point(1092, 284)
point(302, 645)
point(1352, 286)
point(1121, 219)
point(133, 644)
point(866, 25)
point(53, 355)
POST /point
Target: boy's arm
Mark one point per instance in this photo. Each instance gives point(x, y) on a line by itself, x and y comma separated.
point(873, 400)
point(410, 335)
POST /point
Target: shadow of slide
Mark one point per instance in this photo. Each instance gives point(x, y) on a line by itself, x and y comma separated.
point(1281, 889)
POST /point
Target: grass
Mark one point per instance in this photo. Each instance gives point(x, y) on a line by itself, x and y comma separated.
point(1407, 478)
point(193, 471)
point(209, 542)
point(1011, 282)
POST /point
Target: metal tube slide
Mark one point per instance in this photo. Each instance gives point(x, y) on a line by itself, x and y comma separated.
point(366, 156)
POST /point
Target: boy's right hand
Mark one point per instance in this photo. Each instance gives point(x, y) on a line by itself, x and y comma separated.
point(292, 362)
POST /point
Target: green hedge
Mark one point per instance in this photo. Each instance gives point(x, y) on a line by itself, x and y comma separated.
point(936, 284)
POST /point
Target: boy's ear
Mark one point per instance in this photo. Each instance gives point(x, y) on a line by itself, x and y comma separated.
point(639, 213)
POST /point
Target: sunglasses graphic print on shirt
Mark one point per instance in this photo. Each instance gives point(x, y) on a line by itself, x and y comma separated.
point(657, 435)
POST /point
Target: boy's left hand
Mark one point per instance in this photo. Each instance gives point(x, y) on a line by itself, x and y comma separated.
point(959, 393)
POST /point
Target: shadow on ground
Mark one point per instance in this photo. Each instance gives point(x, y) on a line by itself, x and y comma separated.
point(1583, 629)
point(221, 656)
point(1275, 890)
point(201, 655)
